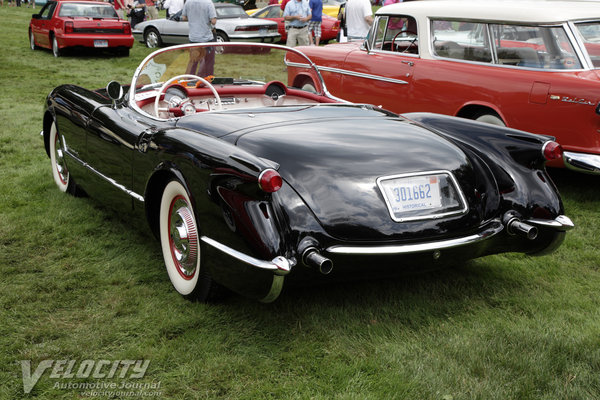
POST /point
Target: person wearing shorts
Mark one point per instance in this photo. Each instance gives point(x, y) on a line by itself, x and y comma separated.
point(314, 25)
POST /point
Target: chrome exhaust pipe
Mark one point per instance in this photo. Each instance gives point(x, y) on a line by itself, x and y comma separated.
point(311, 257)
point(314, 259)
point(515, 226)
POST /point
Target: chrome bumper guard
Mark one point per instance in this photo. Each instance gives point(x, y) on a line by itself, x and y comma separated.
point(560, 223)
point(280, 265)
point(582, 162)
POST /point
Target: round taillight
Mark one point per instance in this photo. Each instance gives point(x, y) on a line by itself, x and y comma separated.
point(552, 151)
point(270, 181)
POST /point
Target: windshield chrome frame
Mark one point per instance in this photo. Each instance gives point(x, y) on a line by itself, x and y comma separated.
point(132, 89)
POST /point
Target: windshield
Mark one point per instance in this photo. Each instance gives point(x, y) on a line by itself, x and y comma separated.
point(590, 32)
point(87, 10)
point(235, 71)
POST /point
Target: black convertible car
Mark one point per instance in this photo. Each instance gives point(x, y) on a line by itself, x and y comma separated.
point(247, 180)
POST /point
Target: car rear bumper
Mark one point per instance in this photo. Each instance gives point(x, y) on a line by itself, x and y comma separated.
point(559, 224)
point(582, 162)
point(74, 40)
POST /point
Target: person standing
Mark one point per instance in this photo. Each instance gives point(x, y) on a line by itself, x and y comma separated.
point(297, 14)
point(151, 8)
point(173, 7)
point(314, 25)
point(359, 18)
point(202, 18)
point(137, 12)
point(119, 7)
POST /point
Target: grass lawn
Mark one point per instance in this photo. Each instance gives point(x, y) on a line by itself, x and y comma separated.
point(78, 282)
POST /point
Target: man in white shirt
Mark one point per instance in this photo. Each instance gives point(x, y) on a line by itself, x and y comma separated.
point(359, 18)
point(173, 6)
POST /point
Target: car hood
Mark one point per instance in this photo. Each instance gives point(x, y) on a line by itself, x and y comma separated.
point(332, 156)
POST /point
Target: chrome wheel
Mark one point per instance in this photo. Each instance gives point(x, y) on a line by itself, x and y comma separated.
point(55, 50)
point(183, 238)
point(152, 39)
point(490, 119)
point(60, 171)
point(32, 41)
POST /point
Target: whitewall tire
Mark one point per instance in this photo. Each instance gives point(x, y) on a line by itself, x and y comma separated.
point(180, 239)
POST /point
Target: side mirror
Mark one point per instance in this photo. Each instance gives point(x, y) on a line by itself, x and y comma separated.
point(35, 16)
point(114, 91)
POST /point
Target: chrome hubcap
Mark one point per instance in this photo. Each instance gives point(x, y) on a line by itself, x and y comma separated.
point(61, 168)
point(151, 40)
point(183, 238)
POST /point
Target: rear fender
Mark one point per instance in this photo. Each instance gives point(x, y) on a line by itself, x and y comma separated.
point(514, 157)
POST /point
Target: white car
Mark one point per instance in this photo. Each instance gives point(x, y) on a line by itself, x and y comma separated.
point(233, 24)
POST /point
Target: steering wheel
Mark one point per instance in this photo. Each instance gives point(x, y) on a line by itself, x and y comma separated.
point(412, 42)
point(164, 87)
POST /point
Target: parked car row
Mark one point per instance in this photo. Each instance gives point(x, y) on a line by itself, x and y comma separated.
point(233, 24)
point(256, 165)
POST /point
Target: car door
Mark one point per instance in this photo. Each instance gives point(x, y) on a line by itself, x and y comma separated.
point(41, 24)
point(175, 31)
point(112, 137)
point(381, 71)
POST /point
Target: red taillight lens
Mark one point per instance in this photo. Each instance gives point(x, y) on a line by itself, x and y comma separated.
point(270, 181)
point(127, 28)
point(552, 151)
point(69, 27)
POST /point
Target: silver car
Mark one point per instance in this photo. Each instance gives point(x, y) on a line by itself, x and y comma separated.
point(233, 24)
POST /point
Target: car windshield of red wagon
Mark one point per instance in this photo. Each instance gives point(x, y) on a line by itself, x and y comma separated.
point(590, 32)
point(87, 10)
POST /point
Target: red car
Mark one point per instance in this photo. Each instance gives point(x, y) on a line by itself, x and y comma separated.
point(66, 23)
point(529, 65)
point(329, 26)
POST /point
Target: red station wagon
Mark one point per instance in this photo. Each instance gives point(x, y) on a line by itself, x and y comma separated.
point(65, 23)
point(529, 65)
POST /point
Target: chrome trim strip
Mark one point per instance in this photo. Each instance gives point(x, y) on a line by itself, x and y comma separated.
point(463, 210)
point(582, 162)
point(362, 75)
point(492, 230)
point(560, 223)
point(101, 175)
point(280, 265)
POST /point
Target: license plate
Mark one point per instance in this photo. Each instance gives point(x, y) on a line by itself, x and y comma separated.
point(412, 193)
point(262, 31)
point(100, 43)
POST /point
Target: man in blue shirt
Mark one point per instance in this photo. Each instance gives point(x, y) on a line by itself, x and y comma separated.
point(314, 25)
point(297, 14)
point(202, 17)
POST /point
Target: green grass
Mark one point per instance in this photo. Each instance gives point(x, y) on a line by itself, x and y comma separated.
point(79, 282)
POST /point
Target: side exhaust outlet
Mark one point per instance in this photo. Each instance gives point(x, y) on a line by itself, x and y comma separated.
point(308, 249)
point(314, 259)
point(514, 226)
